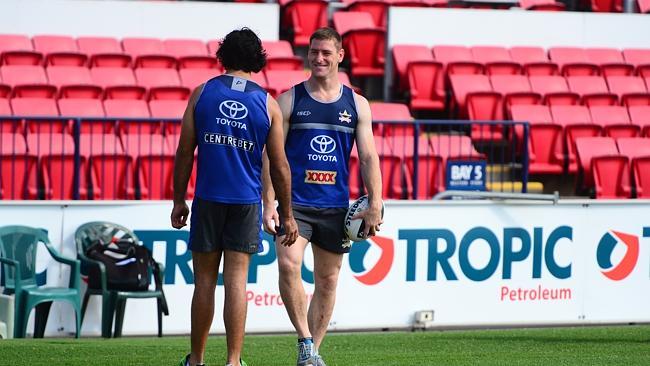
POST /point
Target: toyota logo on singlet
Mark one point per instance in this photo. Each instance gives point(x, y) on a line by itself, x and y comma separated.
point(233, 109)
point(323, 144)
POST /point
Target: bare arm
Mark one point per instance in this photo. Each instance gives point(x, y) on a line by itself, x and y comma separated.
point(369, 164)
point(184, 162)
point(280, 173)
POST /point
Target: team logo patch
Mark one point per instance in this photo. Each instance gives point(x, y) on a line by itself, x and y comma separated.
point(233, 109)
point(320, 177)
point(303, 113)
point(345, 116)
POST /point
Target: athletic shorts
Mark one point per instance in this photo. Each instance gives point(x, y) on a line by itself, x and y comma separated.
point(323, 227)
point(220, 226)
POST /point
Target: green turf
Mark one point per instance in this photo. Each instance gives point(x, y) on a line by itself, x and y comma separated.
point(624, 345)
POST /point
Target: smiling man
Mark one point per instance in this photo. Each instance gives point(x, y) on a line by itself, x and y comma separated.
point(322, 119)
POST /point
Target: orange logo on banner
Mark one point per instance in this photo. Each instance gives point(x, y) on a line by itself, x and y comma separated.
point(320, 177)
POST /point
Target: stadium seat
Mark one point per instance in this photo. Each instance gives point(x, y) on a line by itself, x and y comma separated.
point(279, 56)
point(402, 56)
point(631, 90)
point(392, 112)
point(592, 90)
point(573, 61)
point(544, 5)
point(111, 177)
point(73, 82)
point(641, 169)
point(640, 116)
point(190, 53)
point(5, 90)
point(9, 126)
point(607, 6)
point(148, 52)
point(118, 82)
point(461, 86)
point(167, 109)
point(37, 111)
point(364, 42)
point(303, 17)
point(136, 145)
point(191, 78)
point(162, 83)
point(57, 174)
point(545, 147)
point(457, 60)
point(515, 89)
point(496, 60)
point(588, 148)
point(392, 175)
point(43, 144)
point(533, 61)
point(280, 81)
point(87, 109)
point(576, 122)
point(100, 144)
point(644, 6)
point(19, 173)
point(553, 89)
point(133, 116)
point(104, 52)
point(425, 81)
point(610, 60)
point(614, 121)
point(430, 175)
point(640, 58)
point(611, 176)
point(377, 9)
point(12, 144)
point(155, 177)
point(633, 147)
point(59, 50)
point(27, 81)
point(18, 50)
point(485, 106)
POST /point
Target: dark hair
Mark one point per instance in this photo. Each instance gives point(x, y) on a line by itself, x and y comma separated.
point(327, 33)
point(242, 50)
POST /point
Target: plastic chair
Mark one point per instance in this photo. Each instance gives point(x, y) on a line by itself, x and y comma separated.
point(114, 302)
point(18, 245)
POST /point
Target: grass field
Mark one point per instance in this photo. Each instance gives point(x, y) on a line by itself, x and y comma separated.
point(621, 345)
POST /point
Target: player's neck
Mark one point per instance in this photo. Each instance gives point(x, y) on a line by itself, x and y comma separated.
point(326, 88)
point(239, 74)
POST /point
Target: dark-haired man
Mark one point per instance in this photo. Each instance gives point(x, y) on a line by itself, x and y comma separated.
point(322, 119)
point(230, 119)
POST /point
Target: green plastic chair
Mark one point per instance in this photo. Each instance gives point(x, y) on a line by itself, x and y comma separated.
point(114, 301)
point(18, 245)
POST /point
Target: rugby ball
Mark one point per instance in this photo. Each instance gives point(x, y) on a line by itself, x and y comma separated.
point(354, 227)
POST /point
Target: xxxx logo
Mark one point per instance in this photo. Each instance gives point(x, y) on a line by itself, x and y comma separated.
point(320, 177)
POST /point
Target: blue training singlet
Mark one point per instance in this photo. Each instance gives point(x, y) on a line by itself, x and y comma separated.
point(232, 123)
point(318, 148)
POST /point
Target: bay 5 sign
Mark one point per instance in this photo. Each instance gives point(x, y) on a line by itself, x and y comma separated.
point(611, 242)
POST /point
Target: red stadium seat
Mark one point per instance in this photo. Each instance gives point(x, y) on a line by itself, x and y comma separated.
point(392, 112)
point(644, 6)
point(573, 61)
point(12, 144)
point(111, 177)
point(5, 90)
point(553, 89)
point(100, 144)
point(303, 17)
point(42, 144)
point(641, 169)
point(545, 5)
point(611, 176)
point(630, 90)
point(425, 79)
point(57, 175)
point(640, 116)
point(280, 81)
point(610, 60)
point(589, 147)
point(496, 60)
point(279, 56)
point(462, 86)
point(191, 78)
point(614, 121)
point(148, 52)
point(135, 113)
point(73, 82)
point(533, 60)
point(364, 42)
point(592, 89)
point(576, 121)
point(59, 50)
point(457, 60)
point(87, 109)
point(136, 145)
point(19, 172)
point(162, 83)
point(8, 126)
point(545, 147)
point(430, 175)
point(18, 50)
point(607, 6)
point(377, 9)
point(167, 109)
point(515, 89)
point(190, 53)
point(118, 82)
point(402, 56)
point(155, 177)
point(27, 81)
point(640, 58)
point(104, 52)
point(392, 174)
point(38, 110)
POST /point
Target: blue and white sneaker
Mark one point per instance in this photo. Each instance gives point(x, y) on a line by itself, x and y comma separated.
point(305, 352)
point(317, 360)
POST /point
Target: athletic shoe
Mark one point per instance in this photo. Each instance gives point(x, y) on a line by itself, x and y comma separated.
point(317, 360)
point(305, 351)
point(185, 361)
point(241, 363)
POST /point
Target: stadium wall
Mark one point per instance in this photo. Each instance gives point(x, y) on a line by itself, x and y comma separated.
point(199, 20)
point(474, 264)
